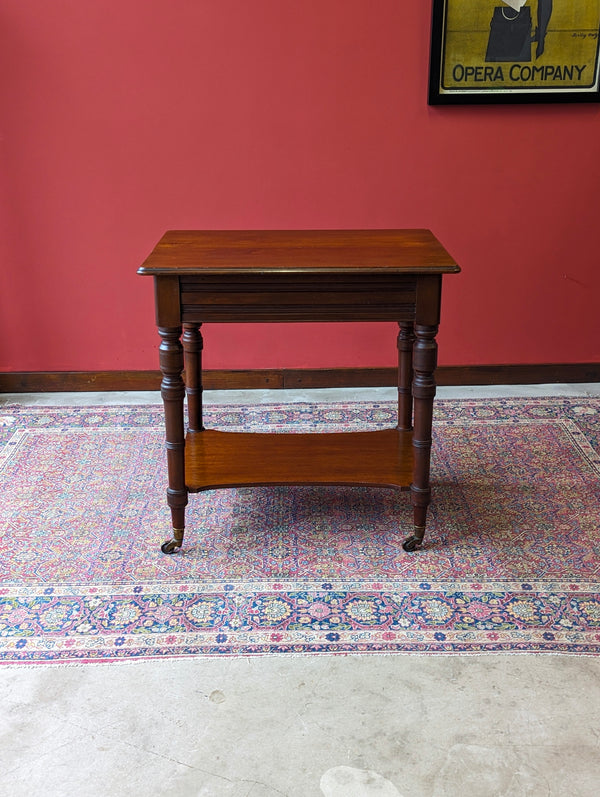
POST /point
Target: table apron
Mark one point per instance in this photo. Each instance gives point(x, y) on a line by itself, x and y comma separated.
point(199, 314)
point(281, 298)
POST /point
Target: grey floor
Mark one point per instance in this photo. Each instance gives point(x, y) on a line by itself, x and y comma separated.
point(314, 726)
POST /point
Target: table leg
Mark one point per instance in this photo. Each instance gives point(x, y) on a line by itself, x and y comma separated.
point(173, 391)
point(424, 362)
point(406, 339)
point(192, 347)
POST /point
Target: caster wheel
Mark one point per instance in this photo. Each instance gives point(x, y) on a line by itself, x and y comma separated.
point(411, 544)
point(170, 546)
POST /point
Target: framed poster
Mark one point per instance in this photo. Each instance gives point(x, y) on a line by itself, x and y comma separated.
point(501, 51)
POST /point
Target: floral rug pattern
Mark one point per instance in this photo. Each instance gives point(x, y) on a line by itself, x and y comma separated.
point(511, 561)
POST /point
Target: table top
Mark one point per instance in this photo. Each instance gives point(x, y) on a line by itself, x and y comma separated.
point(300, 251)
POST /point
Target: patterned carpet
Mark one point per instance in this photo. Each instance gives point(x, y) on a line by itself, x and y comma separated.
point(511, 561)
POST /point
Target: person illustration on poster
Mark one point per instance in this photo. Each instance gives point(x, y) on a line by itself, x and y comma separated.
point(511, 31)
point(544, 12)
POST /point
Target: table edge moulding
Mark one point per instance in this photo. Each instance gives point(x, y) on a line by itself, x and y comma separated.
point(280, 276)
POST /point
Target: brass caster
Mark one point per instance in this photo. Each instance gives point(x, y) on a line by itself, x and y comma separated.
point(412, 543)
point(174, 545)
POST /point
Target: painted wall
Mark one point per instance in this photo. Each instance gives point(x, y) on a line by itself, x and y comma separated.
point(120, 119)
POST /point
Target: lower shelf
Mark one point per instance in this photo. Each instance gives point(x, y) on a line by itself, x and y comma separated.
point(234, 459)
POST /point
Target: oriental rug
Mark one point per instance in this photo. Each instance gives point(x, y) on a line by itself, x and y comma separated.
point(511, 561)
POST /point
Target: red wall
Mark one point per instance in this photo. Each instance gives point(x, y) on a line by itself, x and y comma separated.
point(120, 119)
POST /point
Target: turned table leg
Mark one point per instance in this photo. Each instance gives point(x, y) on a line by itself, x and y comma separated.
point(173, 391)
point(424, 363)
point(192, 347)
point(406, 339)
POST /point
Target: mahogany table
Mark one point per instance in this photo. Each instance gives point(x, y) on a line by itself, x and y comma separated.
point(301, 275)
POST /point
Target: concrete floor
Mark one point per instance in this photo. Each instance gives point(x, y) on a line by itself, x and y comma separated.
point(307, 726)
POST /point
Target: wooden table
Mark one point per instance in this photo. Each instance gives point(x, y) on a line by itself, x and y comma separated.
point(283, 276)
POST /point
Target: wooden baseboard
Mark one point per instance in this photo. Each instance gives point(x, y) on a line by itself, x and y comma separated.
point(75, 381)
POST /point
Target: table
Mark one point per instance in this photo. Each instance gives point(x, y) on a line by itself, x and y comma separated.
point(300, 275)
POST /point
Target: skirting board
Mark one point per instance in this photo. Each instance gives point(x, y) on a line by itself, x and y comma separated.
point(75, 381)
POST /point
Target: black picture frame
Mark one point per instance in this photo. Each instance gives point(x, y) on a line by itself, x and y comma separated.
point(492, 53)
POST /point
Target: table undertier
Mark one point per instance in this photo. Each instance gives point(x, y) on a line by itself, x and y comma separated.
point(214, 459)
